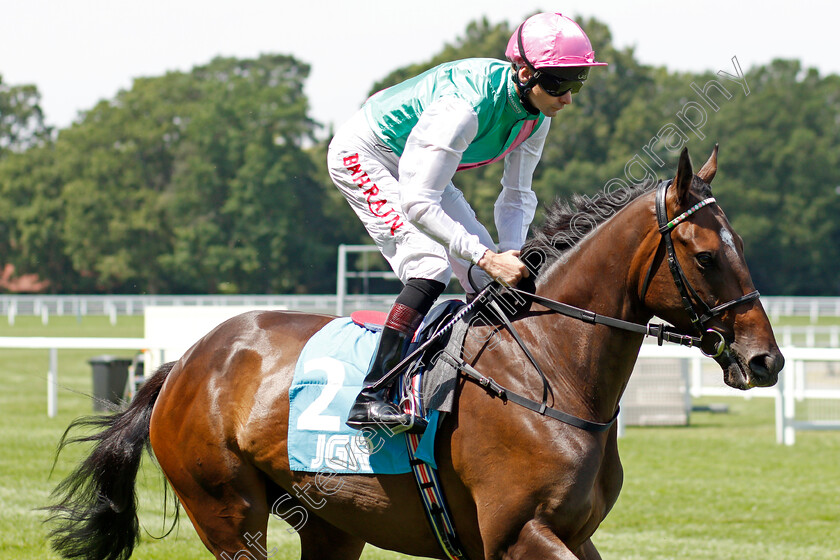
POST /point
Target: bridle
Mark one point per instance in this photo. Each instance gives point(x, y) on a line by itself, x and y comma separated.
point(699, 313)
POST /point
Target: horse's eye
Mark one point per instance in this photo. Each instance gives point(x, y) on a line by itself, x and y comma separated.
point(705, 260)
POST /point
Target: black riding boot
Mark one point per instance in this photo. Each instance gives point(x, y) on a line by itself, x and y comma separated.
point(373, 408)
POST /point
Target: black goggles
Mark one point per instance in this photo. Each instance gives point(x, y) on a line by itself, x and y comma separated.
point(556, 87)
point(559, 81)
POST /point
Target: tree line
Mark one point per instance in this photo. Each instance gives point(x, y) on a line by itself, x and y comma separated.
point(214, 180)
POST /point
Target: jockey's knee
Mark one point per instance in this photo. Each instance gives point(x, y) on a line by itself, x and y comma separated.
point(420, 294)
point(431, 267)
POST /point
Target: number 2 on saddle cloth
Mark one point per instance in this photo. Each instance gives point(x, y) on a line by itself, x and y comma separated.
point(328, 376)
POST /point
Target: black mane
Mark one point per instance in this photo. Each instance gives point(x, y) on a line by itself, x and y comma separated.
point(566, 223)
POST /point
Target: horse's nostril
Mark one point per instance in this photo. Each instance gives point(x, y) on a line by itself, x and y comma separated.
point(758, 365)
point(765, 367)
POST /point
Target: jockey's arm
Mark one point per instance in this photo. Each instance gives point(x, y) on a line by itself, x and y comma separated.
point(515, 207)
point(430, 159)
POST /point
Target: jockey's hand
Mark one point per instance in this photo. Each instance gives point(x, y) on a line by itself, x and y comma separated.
point(505, 268)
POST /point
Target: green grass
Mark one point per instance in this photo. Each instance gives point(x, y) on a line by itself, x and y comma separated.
point(91, 325)
point(721, 488)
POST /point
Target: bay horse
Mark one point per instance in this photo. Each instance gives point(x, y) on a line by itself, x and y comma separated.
point(519, 485)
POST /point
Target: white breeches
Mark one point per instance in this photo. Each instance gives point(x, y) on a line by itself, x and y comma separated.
point(365, 171)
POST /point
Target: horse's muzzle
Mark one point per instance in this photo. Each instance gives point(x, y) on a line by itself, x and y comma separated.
point(745, 370)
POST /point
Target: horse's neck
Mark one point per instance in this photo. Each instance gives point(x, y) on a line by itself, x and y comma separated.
point(599, 274)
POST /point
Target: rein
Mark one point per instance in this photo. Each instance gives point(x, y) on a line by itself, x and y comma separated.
point(662, 332)
point(497, 390)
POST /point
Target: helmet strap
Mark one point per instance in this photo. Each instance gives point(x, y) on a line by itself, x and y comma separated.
point(525, 87)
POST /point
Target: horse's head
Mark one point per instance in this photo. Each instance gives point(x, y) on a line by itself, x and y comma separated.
point(695, 277)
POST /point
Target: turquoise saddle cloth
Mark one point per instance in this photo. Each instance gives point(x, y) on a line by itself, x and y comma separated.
point(328, 377)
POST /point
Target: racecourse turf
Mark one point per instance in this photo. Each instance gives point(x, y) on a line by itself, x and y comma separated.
point(718, 489)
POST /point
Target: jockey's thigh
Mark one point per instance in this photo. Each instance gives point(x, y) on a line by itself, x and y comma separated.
point(457, 207)
point(364, 170)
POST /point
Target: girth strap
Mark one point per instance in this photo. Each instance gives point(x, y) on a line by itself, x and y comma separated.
point(434, 502)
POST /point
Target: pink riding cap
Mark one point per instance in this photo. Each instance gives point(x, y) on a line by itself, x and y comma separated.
point(552, 41)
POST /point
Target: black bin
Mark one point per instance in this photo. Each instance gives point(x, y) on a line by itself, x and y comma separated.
point(110, 376)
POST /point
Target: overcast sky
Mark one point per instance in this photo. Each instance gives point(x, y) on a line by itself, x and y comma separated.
point(81, 51)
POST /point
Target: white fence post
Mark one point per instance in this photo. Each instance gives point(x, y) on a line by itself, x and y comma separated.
point(54, 344)
point(687, 369)
point(774, 311)
point(341, 280)
point(789, 413)
point(787, 336)
point(798, 387)
point(52, 384)
point(365, 274)
point(780, 407)
point(621, 421)
point(696, 376)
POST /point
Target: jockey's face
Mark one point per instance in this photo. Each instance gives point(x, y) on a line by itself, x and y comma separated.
point(548, 105)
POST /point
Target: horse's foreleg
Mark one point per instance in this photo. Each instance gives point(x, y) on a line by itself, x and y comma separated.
point(321, 541)
point(587, 551)
point(537, 540)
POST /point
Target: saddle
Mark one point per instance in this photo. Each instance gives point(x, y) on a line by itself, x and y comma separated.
point(427, 383)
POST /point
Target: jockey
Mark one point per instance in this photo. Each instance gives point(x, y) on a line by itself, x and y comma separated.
point(395, 159)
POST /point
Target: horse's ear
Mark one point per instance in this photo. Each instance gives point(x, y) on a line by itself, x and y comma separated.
point(684, 176)
point(707, 172)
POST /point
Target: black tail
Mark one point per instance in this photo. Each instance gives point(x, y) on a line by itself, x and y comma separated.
point(96, 509)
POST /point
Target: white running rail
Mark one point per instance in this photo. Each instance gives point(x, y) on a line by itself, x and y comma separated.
point(54, 344)
point(811, 375)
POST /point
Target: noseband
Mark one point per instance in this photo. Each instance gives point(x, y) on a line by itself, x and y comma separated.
point(698, 311)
